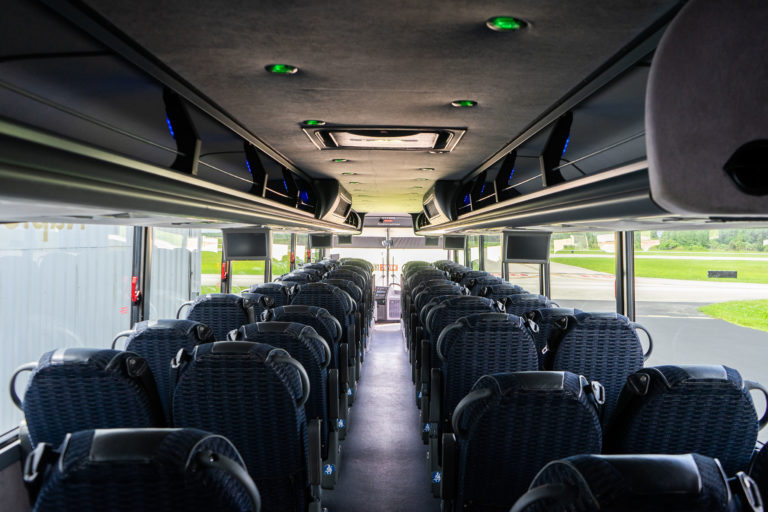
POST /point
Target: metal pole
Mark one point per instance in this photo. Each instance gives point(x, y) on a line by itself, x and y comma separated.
point(386, 263)
point(292, 255)
point(481, 253)
point(625, 274)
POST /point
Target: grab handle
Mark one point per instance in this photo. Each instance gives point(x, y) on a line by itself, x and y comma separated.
point(183, 305)
point(123, 334)
point(756, 386)
point(29, 367)
point(650, 339)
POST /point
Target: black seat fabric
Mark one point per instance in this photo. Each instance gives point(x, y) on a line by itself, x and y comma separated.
point(152, 470)
point(480, 344)
point(325, 324)
point(521, 303)
point(158, 341)
point(510, 425)
point(686, 409)
point(499, 291)
point(309, 349)
point(79, 388)
point(545, 321)
point(278, 292)
point(634, 483)
point(601, 346)
point(253, 394)
point(224, 312)
point(758, 470)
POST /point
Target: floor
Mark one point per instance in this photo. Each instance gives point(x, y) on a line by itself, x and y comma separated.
point(383, 460)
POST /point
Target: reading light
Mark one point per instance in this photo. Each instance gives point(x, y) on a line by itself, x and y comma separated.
point(281, 69)
point(505, 24)
point(339, 160)
point(421, 179)
point(349, 173)
point(355, 182)
point(314, 122)
point(426, 168)
point(463, 103)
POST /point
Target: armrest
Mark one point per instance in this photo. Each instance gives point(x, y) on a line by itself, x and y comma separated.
point(333, 398)
point(435, 395)
point(343, 367)
point(450, 477)
point(358, 327)
point(315, 453)
point(417, 339)
point(426, 361)
point(414, 323)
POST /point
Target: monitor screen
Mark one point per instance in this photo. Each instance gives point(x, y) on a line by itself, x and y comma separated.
point(431, 241)
point(245, 245)
point(454, 242)
point(527, 247)
point(321, 241)
point(345, 239)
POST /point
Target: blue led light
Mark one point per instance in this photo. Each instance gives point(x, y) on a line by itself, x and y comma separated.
point(304, 195)
point(466, 199)
point(170, 126)
point(419, 395)
point(285, 184)
point(341, 423)
point(350, 392)
point(566, 146)
point(437, 477)
point(426, 428)
point(329, 469)
point(482, 189)
point(248, 165)
point(510, 176)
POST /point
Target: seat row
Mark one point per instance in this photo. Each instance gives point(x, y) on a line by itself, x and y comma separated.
point(624, 417)
point(272, 389)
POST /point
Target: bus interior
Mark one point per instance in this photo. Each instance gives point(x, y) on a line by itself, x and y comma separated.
point(411, 256)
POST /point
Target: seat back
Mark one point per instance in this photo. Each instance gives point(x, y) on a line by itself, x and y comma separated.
point(477, 284)
point(424, 296)
point(253, 394)
point(158, 342)
point(81, 388)
point(152, 470)
point(325, 324)
point(298, 277)
point(499, 291)
point(601, 346)
point(309, 349)
point(471, 275)
point(480, 344)
point(687, 409)
point(278, 292)
point(521, 303)
point(450, 310)
point(634, 483)
point(758, 471)
point(511, 424)
point(545, 321)
point(223, 312)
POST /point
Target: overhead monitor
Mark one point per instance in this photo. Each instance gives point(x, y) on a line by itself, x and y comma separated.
point(344, 239)
point(321, 241)
point(431, 241)
point(246, 244)
point(526, 246)
point(454, 242)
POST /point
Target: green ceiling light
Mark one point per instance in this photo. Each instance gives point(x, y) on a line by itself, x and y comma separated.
point(421, 179)
point(463, 103)
point(349, 173)
point(314, 122)
point(505, 24)
point(426, 168)
point(339, 160)
point(355, 182)
point(281, 69)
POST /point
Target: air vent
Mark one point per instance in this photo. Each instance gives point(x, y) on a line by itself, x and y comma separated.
point(385, 138)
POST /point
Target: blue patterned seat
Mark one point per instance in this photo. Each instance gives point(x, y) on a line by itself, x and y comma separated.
point(472, 274)
point(278, 292)
point(356, 294)
point(81, 388)
point(477, 284)
point(510, 426)
point(298, 277)
point(521, 303)
point(545, 321)
point(314, 354)
point(224, 312)
point(473, 346)
point(158, 341)
point(324, 323)
point(341, 306)
point(499, 291)
point(758, 470)
point(687, 409)
point(254, 394)
point(601, 346)
point(635, 483)
point(152, 470)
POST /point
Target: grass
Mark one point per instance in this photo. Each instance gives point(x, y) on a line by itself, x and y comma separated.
point(746, 313)
point(692, 270)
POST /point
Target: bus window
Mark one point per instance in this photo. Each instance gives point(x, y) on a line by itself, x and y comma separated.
point(473, 243)
point(459, 257)
point(281, 253)
point(210, 261)
point(704, 296)
point(582, 270)
point(64, 285)
point(301, 250)
point(175, 270)
point(492, 253)
point(246, 273)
